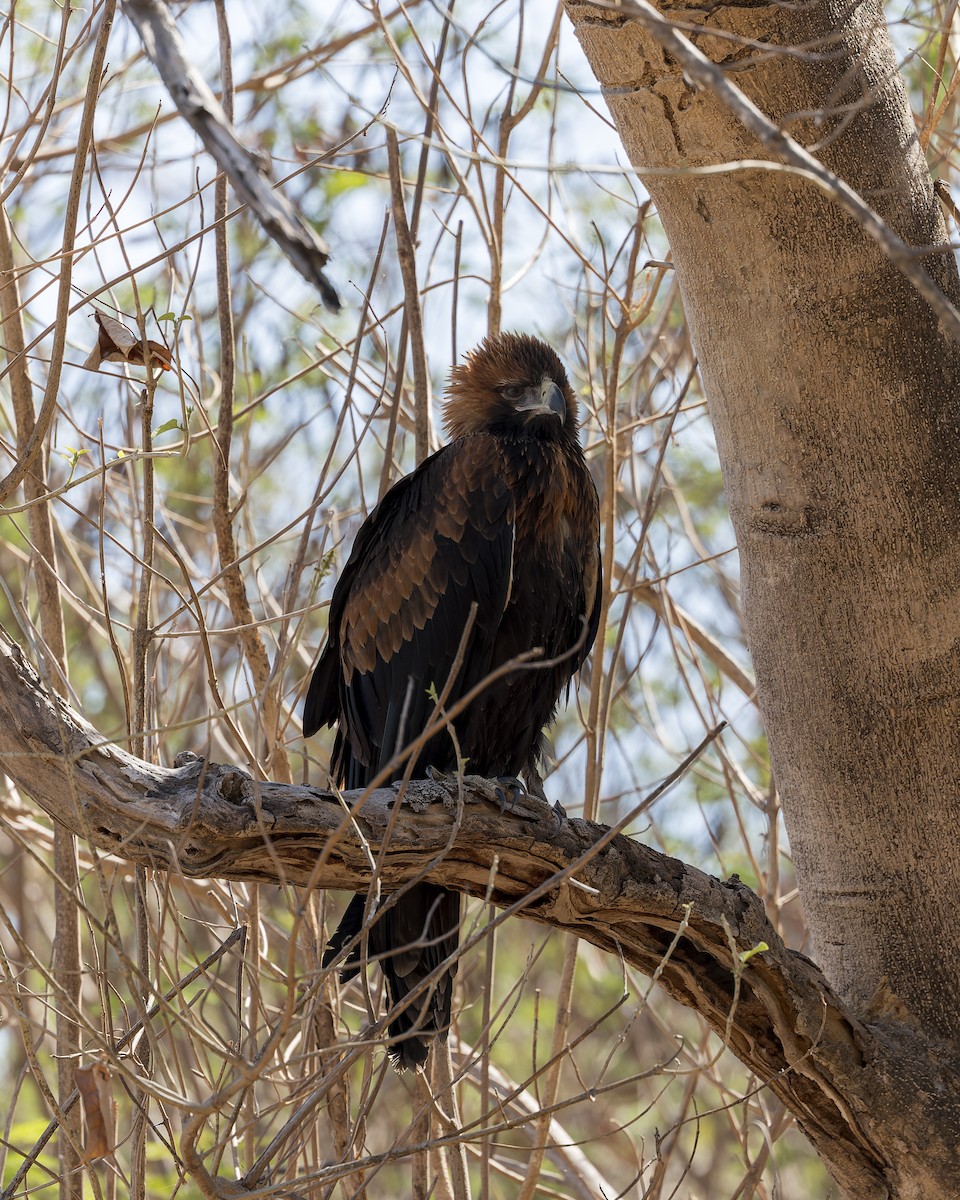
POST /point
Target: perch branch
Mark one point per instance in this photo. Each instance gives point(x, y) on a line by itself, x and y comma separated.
point(774, 1008)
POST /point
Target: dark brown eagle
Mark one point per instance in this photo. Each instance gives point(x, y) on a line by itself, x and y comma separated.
point(505, 518)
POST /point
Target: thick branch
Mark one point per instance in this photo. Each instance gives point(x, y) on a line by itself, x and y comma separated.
point(202, 111)
point(202, 820)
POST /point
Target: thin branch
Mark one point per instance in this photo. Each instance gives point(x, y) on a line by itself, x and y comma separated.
point(663, 605)
point(266, 684)
point(29, 453)
point(502, 1094)
point(67, 964)
point(406, 256)
point(238, 935)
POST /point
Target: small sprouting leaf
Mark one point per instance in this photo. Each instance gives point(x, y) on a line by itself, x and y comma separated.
point(746, 955)
point(326, 563)
point(73, 455)
point(173, 423)
point(167, 317)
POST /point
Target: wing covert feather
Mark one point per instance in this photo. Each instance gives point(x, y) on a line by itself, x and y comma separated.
point(440, 541)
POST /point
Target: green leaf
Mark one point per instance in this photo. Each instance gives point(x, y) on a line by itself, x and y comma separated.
point(345, 181)
point(746, 955)
point(173, 423)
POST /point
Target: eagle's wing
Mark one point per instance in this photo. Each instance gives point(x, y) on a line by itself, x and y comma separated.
point(440, 541)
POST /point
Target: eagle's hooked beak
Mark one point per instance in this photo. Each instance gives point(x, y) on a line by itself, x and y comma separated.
point(543, 399)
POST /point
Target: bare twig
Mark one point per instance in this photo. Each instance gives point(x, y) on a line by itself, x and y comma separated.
point(28, 453)
point(67, 918)
point(266, 684)
point(509, 121)
point(124, 1040)
point(551, 1083)
point(663, 605)
point(495, 1087)
point(406, 254)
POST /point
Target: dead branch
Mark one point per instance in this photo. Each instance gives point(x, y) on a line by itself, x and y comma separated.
point(204, 114)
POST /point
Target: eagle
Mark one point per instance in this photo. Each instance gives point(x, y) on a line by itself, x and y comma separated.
point(486, 553)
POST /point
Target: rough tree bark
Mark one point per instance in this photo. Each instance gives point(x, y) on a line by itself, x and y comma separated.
point(833, 390)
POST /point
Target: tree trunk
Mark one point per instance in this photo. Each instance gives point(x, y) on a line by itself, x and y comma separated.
point(833, 392)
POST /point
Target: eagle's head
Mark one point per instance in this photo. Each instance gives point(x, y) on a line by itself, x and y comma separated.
point(511, 384)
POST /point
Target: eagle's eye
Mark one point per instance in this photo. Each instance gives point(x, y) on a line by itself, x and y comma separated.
point(514, 391)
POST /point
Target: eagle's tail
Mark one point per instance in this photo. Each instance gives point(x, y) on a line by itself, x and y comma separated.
point(409, 940)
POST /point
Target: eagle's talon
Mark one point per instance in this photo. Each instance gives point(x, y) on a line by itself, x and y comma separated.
point(515, 786)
